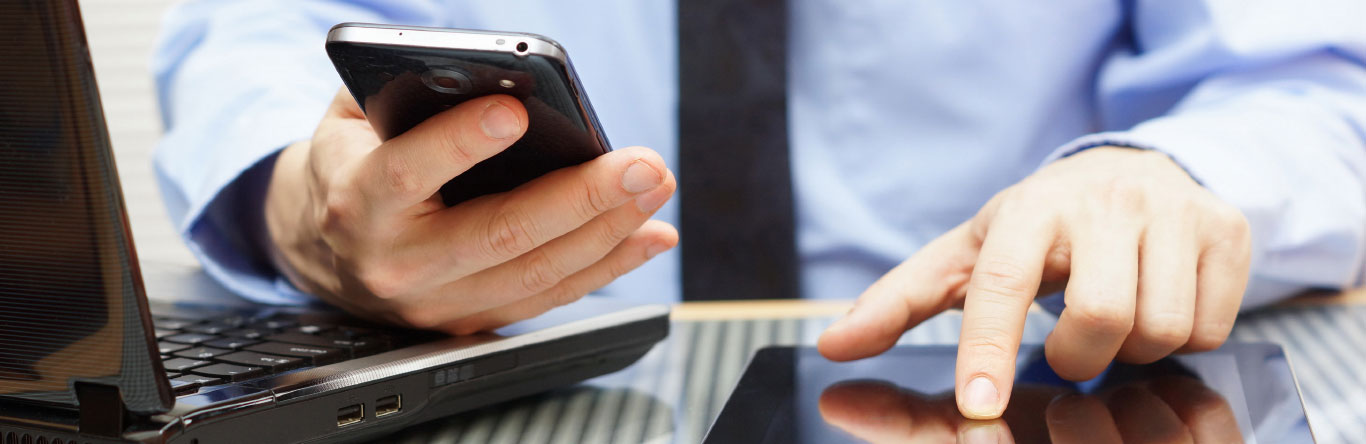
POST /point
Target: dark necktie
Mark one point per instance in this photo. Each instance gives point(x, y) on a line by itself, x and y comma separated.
point(735, 182)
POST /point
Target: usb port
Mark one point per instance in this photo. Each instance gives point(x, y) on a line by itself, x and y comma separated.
point(388, 405)
point(350, 414)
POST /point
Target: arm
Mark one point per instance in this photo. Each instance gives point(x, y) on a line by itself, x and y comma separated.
point(1263, 103)
point(356, 222)
point(237, 82)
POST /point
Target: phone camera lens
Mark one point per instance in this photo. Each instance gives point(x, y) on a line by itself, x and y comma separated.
point(447, 81)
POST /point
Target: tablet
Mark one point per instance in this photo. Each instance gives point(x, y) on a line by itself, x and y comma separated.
point(1238, 393)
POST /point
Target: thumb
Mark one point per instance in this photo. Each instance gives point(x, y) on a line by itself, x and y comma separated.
point(928, 283)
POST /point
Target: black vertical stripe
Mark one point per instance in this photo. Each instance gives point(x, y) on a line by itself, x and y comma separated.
point(735, 185)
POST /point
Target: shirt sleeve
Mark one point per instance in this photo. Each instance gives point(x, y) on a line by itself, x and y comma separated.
point(238, 81)
point(1264, 103)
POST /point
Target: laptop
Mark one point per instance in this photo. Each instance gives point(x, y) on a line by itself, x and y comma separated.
point(84, 356)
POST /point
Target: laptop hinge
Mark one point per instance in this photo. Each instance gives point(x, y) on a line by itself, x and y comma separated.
point(102, 411)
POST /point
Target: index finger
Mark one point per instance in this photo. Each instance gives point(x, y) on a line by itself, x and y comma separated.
point(1003, 285)
point(412, 167)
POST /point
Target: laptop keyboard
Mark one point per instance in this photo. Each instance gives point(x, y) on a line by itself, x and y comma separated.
point(202, 351)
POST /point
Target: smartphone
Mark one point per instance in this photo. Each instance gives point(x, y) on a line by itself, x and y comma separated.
point(403, 75)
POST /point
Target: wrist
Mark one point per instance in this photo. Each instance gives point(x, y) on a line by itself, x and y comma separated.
point(291, 234)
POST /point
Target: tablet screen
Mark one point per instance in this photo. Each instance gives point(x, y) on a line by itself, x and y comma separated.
point(1239, 393)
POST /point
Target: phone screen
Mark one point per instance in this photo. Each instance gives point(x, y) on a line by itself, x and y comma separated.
point(399, 87)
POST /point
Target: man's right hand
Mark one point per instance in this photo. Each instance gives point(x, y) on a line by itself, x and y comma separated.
point(359, 223)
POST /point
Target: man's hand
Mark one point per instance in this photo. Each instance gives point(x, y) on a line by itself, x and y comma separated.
point(360, 224)
point(1152, 264)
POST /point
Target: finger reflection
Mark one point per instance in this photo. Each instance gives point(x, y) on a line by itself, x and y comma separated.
point(1165, 409)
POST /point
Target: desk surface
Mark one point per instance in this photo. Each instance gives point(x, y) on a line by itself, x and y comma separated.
point(674, 393)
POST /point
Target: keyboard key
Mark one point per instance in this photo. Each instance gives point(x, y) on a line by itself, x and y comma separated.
point(315, 355)
point(170, 324)
point(201, 352)
point(164, 333)
point(191, 338)
point(231, 321)
point(300, 338)
point(230, 372)
point(274, 324)
point(359, 346)
point(181, 364)
point(310, 329)
point(170, 347)
point(249, 333)
point(354, 332)
point(183, 387)
point(211, 328)
point(203, 381)
point(232, 343)
point(190, 315)
point(271, 363)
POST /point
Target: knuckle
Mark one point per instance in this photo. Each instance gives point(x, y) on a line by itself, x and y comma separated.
point(1003, 278)
point(612, 232)
point(985, 345)
point(418, 317)
point(1231, 231)
point(1201, 343)
point(398, 175)
point(340, 210)
point(1168, 331)
point(1104, 319)
point(1226, 216)
point(541, 273)
point(1125, 194)
point(454, 143)
point(595, 201)
point(1236, 224)
point(509, 234)
point(1208, 338)
point(563, 296)
point(382, 281)
point(619, 267)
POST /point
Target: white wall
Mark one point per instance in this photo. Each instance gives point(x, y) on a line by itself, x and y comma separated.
point(121, 34)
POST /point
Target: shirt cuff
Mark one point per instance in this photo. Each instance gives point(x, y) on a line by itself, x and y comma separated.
point(1115, 139)
point(230, 240)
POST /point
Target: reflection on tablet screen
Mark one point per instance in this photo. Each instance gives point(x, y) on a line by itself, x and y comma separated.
point(1239, 393)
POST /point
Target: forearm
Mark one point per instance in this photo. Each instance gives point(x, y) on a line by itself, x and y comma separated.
point(238, 81)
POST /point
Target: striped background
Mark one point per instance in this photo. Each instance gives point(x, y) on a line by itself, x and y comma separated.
point(674, 393)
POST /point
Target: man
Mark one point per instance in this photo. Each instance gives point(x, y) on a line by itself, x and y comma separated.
point(1197, 157)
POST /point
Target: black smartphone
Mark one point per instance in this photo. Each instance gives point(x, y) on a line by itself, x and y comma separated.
point(402, 75)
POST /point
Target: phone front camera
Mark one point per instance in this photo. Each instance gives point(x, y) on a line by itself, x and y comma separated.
point(447, 81)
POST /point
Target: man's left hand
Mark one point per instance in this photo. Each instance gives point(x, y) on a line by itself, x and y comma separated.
point(1151, 261)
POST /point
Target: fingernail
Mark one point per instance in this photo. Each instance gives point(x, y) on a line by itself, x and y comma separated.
point(499, 122)
point(640, 177)
point(980, 398)
point(981, 434)
point(655, 249)
point(650, 202)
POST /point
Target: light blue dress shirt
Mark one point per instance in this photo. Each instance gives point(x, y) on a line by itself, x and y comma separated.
point(905, 116)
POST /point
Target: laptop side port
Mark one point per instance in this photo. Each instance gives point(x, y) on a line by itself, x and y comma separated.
point(350, 414)
point(388, 405)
